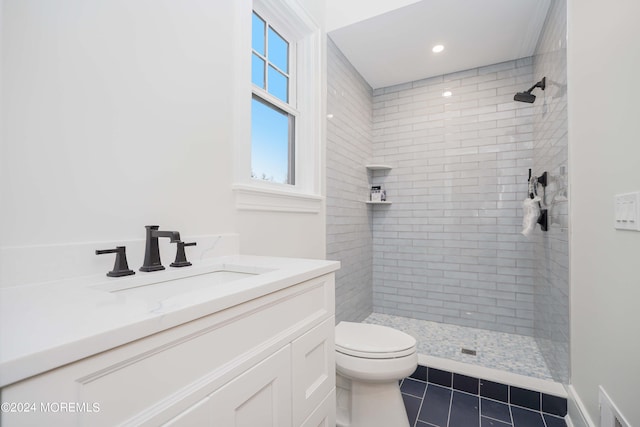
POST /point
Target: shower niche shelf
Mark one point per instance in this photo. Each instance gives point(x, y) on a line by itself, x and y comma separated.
point(377, 167)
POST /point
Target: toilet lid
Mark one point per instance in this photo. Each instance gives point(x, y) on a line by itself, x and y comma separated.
point(373, 341)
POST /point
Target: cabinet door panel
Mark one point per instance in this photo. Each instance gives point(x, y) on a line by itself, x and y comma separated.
point(259, 397)
point(198, 415)
point(313, 367)
point(324, 415)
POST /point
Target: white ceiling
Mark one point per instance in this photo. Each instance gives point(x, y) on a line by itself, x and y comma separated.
point(395, 47)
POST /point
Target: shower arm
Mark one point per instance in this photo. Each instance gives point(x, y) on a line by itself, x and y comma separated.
point(541, 84)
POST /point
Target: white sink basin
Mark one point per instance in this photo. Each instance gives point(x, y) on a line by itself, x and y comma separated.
point(174, 283)
point(164, 290)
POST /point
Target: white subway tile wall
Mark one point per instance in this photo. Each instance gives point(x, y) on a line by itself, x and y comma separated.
point(551, 293)
point(449, 249)
point(349, 149)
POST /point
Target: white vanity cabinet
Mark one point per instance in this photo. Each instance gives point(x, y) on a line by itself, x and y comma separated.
point(266, 362)
point(259, 397)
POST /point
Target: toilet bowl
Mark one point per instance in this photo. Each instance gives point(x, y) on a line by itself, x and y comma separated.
point(370, 360)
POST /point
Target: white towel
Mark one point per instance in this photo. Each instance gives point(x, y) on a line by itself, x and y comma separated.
point(531, 210)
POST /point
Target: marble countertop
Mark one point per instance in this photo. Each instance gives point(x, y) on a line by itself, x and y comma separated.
point(47, 325)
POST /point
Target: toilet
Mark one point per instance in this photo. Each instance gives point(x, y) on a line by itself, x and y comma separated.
point(370, 361)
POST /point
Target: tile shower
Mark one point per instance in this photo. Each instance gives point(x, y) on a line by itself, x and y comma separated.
point(449, 248)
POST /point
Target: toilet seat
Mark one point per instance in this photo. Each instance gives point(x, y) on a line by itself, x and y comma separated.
point(373, 341)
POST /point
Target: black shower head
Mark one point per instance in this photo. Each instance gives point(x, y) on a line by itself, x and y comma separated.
point(527, 96)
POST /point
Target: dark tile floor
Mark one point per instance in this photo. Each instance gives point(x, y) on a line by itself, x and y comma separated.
point(429, 404)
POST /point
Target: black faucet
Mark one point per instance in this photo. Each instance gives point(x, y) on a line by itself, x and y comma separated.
point(121, 267)
point(152, 251)
point(181, 257)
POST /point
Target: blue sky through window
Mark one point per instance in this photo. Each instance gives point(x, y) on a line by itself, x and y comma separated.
point(278, 51)
point(278, 84)
point(257, 71)
point(269, 143)
point(257, 35)
point(271, 127)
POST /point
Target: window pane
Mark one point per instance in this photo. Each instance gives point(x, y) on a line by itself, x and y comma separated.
point(270, 143)
point(278, 84)
point(257, 34)
point(278, 51)
point(257, 71)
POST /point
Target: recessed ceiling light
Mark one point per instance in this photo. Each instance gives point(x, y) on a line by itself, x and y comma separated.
point(437, 48)
point(447, 93)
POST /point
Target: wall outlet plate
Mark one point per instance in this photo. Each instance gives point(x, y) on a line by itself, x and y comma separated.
point(627, 211)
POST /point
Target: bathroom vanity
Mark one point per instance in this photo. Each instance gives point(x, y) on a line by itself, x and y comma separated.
point(234, 341)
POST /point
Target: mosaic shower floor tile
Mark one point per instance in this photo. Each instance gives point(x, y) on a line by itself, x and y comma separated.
point(497, 350)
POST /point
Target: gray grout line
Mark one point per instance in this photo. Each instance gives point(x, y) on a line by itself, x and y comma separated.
point(415, 423)
point(513, 423)
point(495, 419)
point(479, 408)
point(450, 405)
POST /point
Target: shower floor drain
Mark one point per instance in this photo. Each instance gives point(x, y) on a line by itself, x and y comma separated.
point(468, 351)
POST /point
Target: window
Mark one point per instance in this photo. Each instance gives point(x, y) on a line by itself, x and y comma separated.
point(278, 119)
point(273, 114)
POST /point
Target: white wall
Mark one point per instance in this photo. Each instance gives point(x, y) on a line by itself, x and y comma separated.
point(117, 114)
point(604, 153)
point(113, 119)
point(282, 234)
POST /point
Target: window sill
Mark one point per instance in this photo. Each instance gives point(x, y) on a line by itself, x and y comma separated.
point(259, 198)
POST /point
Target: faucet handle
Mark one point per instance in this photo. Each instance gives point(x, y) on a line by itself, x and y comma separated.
point(121, 267)
point(181, 257)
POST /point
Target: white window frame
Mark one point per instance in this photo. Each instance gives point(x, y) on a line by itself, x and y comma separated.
point(290, 20)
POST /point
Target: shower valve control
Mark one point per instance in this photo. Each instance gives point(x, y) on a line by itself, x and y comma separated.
point(627, 211)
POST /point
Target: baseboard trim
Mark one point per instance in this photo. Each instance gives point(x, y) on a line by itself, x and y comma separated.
point(577, 415)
